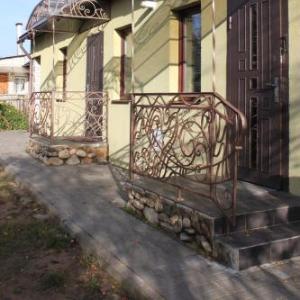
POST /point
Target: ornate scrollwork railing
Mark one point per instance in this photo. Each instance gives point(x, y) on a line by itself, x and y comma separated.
point(189, 141)
point(82, 9)
point(80, 116)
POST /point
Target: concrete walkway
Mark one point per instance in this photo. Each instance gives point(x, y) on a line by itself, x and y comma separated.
point(149, 262)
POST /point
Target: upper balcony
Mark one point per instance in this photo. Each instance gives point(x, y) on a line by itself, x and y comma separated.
point(61, 11)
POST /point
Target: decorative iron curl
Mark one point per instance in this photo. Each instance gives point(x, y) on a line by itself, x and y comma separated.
point(190, 137)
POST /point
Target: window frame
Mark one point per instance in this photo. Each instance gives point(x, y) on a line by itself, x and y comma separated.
point(124, 32)
point(182, 14)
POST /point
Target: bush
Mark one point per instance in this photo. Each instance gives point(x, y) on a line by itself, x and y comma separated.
point(11, 118)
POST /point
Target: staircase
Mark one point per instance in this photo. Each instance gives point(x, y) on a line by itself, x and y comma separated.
point(267, 229)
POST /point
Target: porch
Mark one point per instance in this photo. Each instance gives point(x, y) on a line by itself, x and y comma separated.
point(68, 127)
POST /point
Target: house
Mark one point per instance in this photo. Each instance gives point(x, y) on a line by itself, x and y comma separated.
point(14, 78)
point(165, 88)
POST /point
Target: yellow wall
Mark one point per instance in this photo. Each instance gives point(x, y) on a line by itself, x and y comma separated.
point(294, 97)
point(156, 35)
point(221, 46)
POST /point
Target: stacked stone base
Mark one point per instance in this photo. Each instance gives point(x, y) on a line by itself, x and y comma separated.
point(72, 155)
point(187, 224)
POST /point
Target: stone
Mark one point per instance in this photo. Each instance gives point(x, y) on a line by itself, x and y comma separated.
point(86, 161)
point(163, 218)
point(54, 161)
point(138, 196)
point(190, 231)
point(130, 196)
point(174, 219)
point(25, 200)
point(176, 222)
point(64, 154)
point(186, 223)
point(151, 215)
point(102, 153)
point(204, 244)
point(144, 200)
point(158, 206)
point(138, 205)
point(150, 203)
point(185, 237)
point(72, 151)
point(166, 226)
point(81, 153)
point(91, 155)
point(52, 153)
point(41, 217)
point(130, 207)
point(73, 161)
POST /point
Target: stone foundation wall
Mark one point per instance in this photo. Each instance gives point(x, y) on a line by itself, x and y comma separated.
point(181, 221)
point(58, 155)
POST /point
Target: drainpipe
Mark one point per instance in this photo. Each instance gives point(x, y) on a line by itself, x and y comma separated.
point(28, 55)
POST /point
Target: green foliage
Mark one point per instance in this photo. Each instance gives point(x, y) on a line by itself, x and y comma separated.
point(11, 118)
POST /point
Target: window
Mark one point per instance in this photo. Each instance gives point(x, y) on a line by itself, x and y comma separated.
point(64, 69)
point(20, 85)
point(190, 51)
point(126, 60)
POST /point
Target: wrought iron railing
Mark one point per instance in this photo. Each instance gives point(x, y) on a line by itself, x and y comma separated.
point(77, 116)
point(82, 9)
point(189, 141)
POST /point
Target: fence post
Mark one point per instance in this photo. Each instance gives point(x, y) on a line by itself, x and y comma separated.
point(132, 138)
point(52, 117)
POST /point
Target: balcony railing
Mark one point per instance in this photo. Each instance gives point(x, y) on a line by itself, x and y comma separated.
point(189, 141)
point(73, 116)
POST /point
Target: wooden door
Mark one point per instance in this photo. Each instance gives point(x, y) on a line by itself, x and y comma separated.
point(94, 84)
point(4, 84)
point(257, 76)
point(94, 81)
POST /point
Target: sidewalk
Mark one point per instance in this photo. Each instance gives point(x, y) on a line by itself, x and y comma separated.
point(147, 261)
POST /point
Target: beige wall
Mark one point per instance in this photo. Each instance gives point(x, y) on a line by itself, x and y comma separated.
point(155, 61)
point(221, 46)
point(294, 97)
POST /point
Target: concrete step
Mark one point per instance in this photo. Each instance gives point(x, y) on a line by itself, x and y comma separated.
point(242, 250)
point(260, 218)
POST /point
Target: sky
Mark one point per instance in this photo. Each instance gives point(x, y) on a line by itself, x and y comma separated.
point(11, 12)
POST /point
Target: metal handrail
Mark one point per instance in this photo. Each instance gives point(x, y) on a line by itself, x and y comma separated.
point(191, 137)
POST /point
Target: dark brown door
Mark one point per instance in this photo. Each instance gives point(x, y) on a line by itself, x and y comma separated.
point(94, 85)
point(94, 80)
point(257, 62)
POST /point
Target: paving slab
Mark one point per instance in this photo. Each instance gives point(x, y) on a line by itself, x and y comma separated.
point(149, 262)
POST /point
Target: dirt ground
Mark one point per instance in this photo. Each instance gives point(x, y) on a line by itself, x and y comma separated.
point(39, 260)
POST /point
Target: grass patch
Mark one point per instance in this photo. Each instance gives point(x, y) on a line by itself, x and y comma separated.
point(11, 118)
point(33, 235)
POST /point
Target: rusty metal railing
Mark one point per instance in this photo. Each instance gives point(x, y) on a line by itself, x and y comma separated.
point(75, 116)
point(190, 141)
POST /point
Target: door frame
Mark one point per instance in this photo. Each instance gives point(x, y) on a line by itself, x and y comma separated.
point(284, 89)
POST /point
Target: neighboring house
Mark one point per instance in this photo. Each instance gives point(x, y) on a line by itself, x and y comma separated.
point(90, 46)
point(14, 76)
